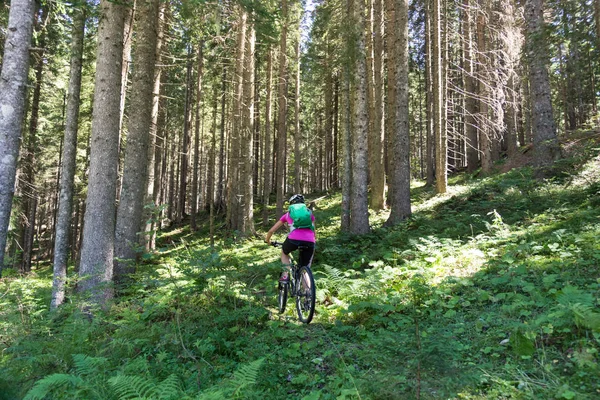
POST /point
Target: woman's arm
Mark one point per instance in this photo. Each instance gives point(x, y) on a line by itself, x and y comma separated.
point(273, 229)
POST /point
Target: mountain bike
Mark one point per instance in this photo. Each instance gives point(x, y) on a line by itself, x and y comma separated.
point(300, 285)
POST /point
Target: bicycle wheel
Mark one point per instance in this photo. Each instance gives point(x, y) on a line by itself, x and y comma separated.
point(305, 298)
point(283, 294)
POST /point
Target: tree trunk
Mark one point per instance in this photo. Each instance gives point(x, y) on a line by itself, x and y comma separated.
point(545, 142)
point(13, 88)
point(484, 94)
point(376, 167)
point(67, 168)
point(328, 125)
point(335, 133)
point(439, 133)
point(185, 147)
point(221, 188)
point(268, 152)
point(470, 88)
point(135, 168)
point(246, 145)
point(359, 212)
point(212, 166)
point(194, 202)
point(297, 133)
point(346, 154)
point(155, 149)
point(97, 252)
point(390, 6)
point(234, 174)
point(282, 111)
point(31, 193)
point(127, 41)
point(400, 172)
point(430, 150)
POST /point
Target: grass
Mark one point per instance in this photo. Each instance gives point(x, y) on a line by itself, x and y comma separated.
point(490, 291)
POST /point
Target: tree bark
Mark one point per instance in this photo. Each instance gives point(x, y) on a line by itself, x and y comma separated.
point(135, 169)
point(97, 252)
point(400, 140)
point(545, 142)
point(67, 168)
point(439, 132)
point(470, 88)
point(185, 147)
point(376, 166)
point(268, 152)
point(155, 149)
point(282, 111)
point(195, 183)
point(13, 87)
point(221, 186)
point(430, 150)
point(235, 171)
point(359, 209)
point(246, 146)
point(30, 168)
point(297, 133)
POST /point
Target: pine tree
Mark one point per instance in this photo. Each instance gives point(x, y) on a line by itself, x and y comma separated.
point(67, 175)
point(131, 205)
point(97, 251)
point(13, 85)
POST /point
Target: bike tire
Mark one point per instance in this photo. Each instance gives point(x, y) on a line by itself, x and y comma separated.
point(305, 297)
point(283, 295)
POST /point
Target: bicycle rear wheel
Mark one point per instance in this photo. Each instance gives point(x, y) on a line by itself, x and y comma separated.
point(305, 297)
point(283, 294)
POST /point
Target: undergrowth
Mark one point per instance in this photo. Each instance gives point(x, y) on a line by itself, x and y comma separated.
point(490, 291)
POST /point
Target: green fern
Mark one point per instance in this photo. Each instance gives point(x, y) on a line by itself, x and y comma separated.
point(139, 387)
point(334, 278)
point(50, 383)
point(570, 295)
point(245, 376)
point(586, 317)
point(169, 388)
point(86, 365)
point(132, 387)
point(87, 372)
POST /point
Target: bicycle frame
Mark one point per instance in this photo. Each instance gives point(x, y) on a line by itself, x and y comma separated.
point(301, 286)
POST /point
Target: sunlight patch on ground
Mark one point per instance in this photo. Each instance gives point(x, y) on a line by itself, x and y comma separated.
point(464, 263)
point(442, 198)
point(589, 174)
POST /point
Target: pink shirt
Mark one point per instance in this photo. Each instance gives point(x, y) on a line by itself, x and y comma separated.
point(305, 234)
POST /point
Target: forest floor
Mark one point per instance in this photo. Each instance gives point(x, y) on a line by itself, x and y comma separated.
point(490, 291)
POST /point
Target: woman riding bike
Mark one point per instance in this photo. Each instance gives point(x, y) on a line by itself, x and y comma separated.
point(302, 235)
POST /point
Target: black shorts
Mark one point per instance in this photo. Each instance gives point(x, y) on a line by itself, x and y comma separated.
point(306, 250)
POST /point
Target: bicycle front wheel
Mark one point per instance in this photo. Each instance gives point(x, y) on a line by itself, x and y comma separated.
point(305, 298)
point(283, 294)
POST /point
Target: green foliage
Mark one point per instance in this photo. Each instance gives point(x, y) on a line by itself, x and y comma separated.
point(138, 387)
point(490, 291)
point(245, 376)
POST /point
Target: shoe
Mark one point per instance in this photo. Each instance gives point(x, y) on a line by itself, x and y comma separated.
point(284, 278)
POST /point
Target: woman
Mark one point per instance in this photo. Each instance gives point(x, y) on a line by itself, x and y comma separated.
point(302, 234)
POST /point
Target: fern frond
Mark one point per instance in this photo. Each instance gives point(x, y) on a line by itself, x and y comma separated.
point(586, 317)
point(170, 388)
point(570, 295)
point(213, 394)
point(334, 278)
point(85, 365)
point(46, 385)
point(133, 387)
point(247, 374)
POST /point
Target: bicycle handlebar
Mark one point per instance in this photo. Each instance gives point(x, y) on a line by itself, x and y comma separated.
point(276, 244)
